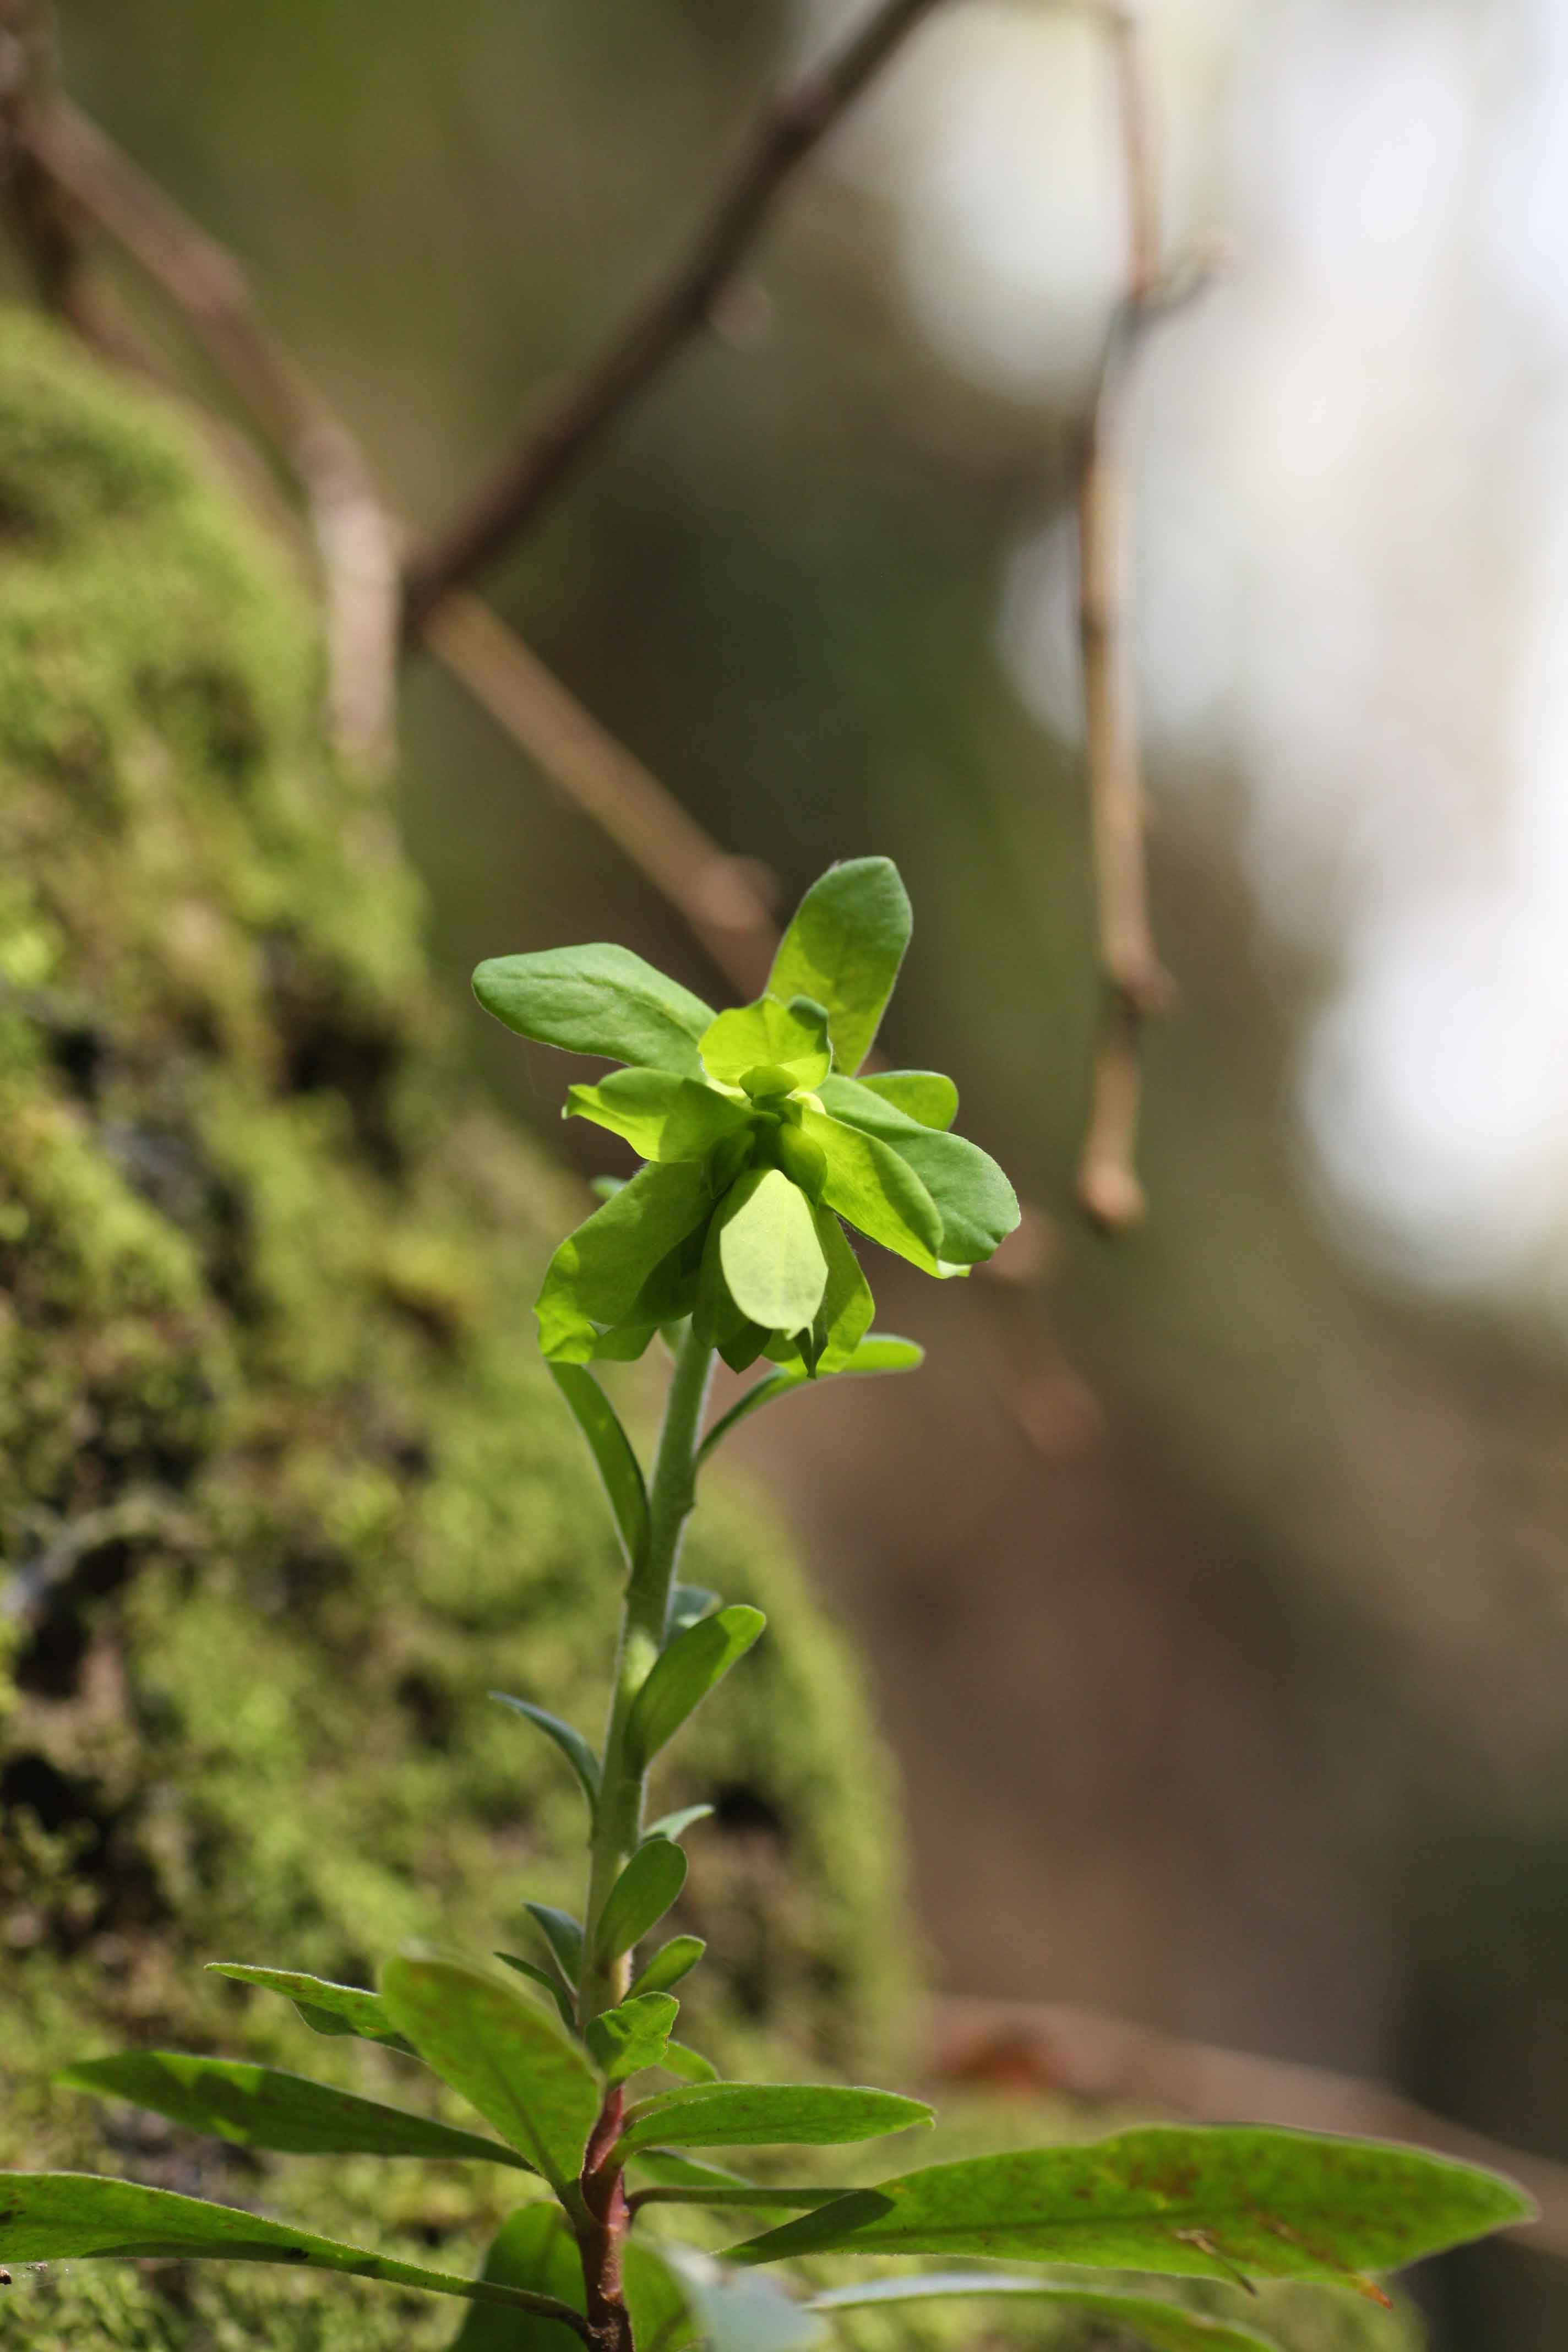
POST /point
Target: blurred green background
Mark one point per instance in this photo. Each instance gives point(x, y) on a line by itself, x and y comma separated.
point(1215, 1594)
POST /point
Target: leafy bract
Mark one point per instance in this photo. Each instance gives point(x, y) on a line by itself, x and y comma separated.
point(504, 2056)
point(532, 2250)
point(977, 1205)
point(52, 2217)
point(669, 1964)
point(768, 2115)
point(640, 1897)
point(1201, 2200)
point(1164, 2327)
point(845, 1315)
point(260, 2107)
point(680, 2059)
point(599, 999)
point(773, 1261)
point(624, 2040)
point(925, 1094)
point(880, 1352)
point(875, 1188)
point(560, 1993)
point(331, 2008)
point(844, 948)
point(571, 1742)
point(596, 1276)
point(770, 1034)
point(675, 1825)
point(660, 1116)
point(685, 1672)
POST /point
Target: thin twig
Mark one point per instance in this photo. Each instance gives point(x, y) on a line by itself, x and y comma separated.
point(791, 125)
point(356, 540)
point(1133, 983)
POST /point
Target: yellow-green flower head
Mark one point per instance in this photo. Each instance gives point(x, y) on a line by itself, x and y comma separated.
point(759, 1136)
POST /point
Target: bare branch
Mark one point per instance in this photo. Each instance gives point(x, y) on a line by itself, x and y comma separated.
point(355, 540)
point(793, 123)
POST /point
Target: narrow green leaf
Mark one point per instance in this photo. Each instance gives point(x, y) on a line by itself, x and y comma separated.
point(845, 1315)
point(504, 2056)
point(668, 2165)
point(683, 2180)
point(260, 2107)
point(598, 999)
point(54, 2217)
point(688, 1603)
point(331, 2008)
point(560, 1996)
point(624, 2040)
point(596, 1276)
point(875, 1190)
point(660, 1116)
point(880, 1351)
point(773, 1032)
point(1198, 2200)
point(669, 1964)
point(977, 1205)
point(640, 1897)
point(844, 948)
point(685, 1673)
point(680, 2058)
point(564, 1937)
point(771, 1256)
point(731, 2320)
point(767, 2114)
point(532, 2248)
point(620, 1472)
point(924, 1095)
point(570, 1743)
point(675, 1825)
point(1164, 2327)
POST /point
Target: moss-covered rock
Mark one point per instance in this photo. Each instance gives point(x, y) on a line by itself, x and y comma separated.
point(283, 1491)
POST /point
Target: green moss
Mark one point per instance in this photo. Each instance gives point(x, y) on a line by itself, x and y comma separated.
point(274, 1452)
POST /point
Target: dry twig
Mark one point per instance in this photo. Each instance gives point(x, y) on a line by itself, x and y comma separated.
point(1134, 986)
point(793, 122)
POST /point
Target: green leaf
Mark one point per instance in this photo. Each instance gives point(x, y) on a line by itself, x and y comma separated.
point(532, 2248)
point(564, 1937)
point(54, 2217)
point(552, 1985)
point(1198, 2200)
point(873, 1188)
point(598, 999)
point(879, 1353)
point(1164, 2327)
point(259, 2106)
point(597, 1274)
point(682, 2180)
point(977, 1205)
point(657, 2301)
point(660, 1116)
point(504, 2056)
point(640, 1897)
point(688, 1603)
point(728, 2319)
point(684, 1674)
point(845, 1315)
point(772, 1259)
point(680, 2059)
point(620, 1472)
point(773, 1032)
point(624, 2040)
point(332, 2009)
point(844, 948)
point(570, 1743)
point(767, 2114)
point(669, 1964)
point(675, 1825)
point(924, 1095)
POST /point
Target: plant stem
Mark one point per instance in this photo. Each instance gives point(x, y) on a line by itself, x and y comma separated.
point(618, 1820)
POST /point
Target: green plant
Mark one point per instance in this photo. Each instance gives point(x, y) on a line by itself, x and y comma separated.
point(758, 1135)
